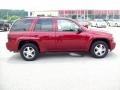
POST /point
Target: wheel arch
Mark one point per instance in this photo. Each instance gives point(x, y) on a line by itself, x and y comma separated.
point(100, 39)
point(22, 42)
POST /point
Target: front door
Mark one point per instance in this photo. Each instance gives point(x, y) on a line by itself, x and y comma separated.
point(67, 38)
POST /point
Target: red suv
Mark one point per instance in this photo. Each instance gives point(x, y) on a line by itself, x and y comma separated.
point(34, 35)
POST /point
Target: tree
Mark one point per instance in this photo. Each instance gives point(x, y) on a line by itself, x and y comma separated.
point(5, 13)
point(14, 17)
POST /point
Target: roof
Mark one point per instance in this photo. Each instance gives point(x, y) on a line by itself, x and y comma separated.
point(46, 17)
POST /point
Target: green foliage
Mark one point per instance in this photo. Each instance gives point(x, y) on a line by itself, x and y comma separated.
point(12, 14)
point(4, 17)
point(11, 17)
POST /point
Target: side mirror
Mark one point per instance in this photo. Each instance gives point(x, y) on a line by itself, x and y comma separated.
point(86, 26)
point(79, 30)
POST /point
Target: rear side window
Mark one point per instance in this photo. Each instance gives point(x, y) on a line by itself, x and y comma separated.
point(21, 25)
point(44, 25)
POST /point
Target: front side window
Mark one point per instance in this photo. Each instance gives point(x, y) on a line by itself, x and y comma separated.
point(21, 25)
point(44, 25)
point(67, 25)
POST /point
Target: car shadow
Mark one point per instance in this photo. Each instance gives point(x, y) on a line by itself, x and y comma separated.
point(47, 57)
point(59, 58)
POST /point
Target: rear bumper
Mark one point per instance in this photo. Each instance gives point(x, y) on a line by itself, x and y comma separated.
point(10, 47)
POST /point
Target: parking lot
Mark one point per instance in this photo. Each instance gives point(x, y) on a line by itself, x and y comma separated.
point(60, 71)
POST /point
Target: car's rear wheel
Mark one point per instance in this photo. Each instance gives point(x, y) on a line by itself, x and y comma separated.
point(99, 49)
point(29, 52)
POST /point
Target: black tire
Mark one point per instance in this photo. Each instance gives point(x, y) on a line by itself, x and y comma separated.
point(30, 45)
point(93, 49)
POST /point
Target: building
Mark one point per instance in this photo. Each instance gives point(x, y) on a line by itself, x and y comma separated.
point(80, 14)
point(44, 13)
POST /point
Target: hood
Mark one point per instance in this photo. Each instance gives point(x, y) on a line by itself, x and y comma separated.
point(98, 33)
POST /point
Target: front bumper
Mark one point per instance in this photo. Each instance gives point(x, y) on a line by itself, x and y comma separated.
point(113, 44)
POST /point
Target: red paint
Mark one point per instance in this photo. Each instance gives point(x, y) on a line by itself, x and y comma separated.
point(58, 41)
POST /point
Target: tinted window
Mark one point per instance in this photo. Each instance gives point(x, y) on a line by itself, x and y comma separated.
point(44, 25)
point(67, 25)
point(21, 25)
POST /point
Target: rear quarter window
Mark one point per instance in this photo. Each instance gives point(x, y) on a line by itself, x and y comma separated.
point(21, 25)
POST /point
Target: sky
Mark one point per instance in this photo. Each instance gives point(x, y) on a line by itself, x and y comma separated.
point(39, 5)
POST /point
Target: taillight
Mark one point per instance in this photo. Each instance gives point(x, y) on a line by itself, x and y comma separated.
point(9, 37)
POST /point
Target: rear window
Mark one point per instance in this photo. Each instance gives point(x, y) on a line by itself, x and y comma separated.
point(21, 25)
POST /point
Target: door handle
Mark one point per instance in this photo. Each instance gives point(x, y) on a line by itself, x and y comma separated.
point(35, 35)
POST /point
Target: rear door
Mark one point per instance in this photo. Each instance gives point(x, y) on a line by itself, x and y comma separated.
point(44, 31)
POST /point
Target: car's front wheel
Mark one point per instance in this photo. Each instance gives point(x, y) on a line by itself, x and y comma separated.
point(29, 52)
point(99, 49)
